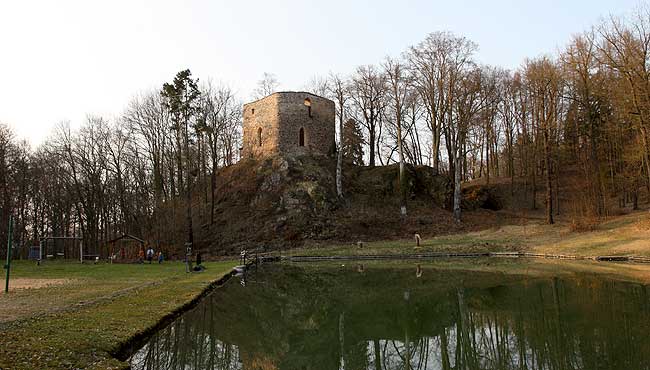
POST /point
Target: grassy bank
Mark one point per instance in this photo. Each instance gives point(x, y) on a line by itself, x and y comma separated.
point(622, 235)
point(81, 319)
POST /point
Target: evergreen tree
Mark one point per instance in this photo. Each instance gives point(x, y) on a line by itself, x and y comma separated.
point(182, 98)
point(352, 143)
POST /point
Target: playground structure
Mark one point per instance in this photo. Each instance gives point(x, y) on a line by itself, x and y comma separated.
point(124, 248)
point(54, 247)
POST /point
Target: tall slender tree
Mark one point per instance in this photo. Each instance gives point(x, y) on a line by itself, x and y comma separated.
point(182, 97)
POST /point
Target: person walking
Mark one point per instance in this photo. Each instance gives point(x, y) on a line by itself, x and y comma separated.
point(160, 257)
point(150, 254)
point(141, 256)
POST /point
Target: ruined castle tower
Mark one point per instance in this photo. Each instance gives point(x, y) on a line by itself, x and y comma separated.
point(288, 124)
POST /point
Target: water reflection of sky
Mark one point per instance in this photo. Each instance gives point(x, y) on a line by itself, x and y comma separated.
point(290, 317)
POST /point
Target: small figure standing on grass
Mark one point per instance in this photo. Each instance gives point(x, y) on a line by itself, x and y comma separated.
point(150, 254)
point(199, 266)
point(141, 256)
point(242, 257)
point(160, 257)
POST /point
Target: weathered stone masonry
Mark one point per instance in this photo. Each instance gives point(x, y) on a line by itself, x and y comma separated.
point(288, 124)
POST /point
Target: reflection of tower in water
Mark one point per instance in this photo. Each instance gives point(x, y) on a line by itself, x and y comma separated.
point(325, 319)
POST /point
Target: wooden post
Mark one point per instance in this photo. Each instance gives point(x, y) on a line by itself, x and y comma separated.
point(9, 247)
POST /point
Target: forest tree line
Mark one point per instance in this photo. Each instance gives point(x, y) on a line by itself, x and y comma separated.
point(126, 175)
point(584, 110)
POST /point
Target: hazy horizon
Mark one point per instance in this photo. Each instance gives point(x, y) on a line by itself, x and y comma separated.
point(65, 60)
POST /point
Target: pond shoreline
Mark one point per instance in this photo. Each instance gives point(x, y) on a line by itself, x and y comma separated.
point(87, 325)
point(427, 256)
point(376, 314)
point(127, 348)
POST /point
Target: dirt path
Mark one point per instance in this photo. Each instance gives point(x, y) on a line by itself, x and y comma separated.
point(24, 283)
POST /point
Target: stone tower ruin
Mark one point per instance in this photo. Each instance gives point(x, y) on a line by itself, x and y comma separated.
point(288, 124)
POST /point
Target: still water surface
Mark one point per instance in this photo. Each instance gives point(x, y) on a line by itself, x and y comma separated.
point(305, 317)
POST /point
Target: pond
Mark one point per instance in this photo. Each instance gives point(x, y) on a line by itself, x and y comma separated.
point(300, 316)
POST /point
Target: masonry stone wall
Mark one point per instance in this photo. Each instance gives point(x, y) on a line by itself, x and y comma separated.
point(261, 124)
point(281, 117)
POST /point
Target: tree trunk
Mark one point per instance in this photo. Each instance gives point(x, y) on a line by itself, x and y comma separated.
point(549, 182)
point(371, 141)
point(487, 160)
point(188, 193)
point(534, 182)
point(457, 190)
point(595, 167)
point(213, 185)
point(402, 174)
point(646, 151)
point(435, 152)
point(339, 160)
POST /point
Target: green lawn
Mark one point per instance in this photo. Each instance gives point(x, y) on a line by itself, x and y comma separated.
point(82, 322)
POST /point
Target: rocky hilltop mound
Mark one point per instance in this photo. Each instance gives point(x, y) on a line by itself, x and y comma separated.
point(278, 203)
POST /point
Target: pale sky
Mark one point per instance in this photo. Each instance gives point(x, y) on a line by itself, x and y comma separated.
point(61, 60)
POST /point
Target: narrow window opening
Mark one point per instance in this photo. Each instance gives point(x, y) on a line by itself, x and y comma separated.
point(308, 104)
point(301, 140)
point(252, 110)
point(259, 136)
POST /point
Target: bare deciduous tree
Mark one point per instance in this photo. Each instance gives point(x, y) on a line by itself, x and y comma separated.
point(266, 86)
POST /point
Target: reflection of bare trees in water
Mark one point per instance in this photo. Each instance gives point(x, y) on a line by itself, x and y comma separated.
point(189, 343)
point(534, 338)
point(546, 325)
